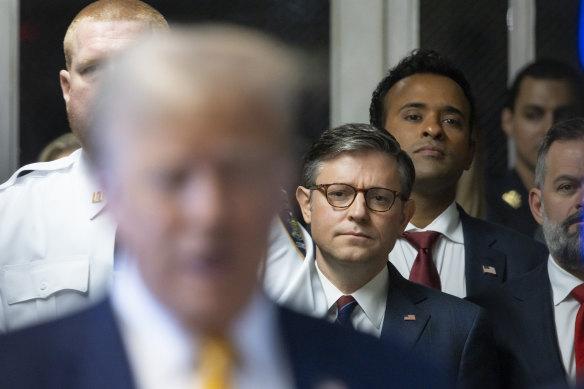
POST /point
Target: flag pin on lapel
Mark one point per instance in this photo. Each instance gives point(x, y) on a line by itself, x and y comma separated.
point(97, 197)
point(409, 317)
point(489, 270)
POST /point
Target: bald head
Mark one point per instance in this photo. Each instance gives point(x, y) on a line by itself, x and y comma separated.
point(113, 10)
point(190, 138)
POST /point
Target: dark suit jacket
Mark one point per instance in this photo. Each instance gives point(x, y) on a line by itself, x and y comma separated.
point(522, 317)
point(489, 247)
point(85, 351)
point(446, 329)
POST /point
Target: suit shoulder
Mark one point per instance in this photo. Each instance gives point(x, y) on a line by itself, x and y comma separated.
point(33, 172)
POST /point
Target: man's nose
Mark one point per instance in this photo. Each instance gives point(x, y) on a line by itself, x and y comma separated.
point(358, 209)
point(204, 200)
point(432, 127)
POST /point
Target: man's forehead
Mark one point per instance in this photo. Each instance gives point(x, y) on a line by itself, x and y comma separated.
point(427, 90)
point(106, 35)
point(555, 90)
point(566, 157)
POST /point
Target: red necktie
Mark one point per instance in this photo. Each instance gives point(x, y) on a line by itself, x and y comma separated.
point(578, 293)
point(424, 270)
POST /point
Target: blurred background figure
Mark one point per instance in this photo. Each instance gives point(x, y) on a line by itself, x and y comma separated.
point(545, 92)
point(59, 148)
point(190, 140)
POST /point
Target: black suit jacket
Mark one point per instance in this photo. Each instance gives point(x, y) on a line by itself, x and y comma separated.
point(444, 328)
point(522, 317)
point(494, 254)
point(85, 351)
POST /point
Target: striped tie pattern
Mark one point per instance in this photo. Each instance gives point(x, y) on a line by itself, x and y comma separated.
point(345, 306)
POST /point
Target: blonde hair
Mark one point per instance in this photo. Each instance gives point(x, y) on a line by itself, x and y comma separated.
point(113, 10)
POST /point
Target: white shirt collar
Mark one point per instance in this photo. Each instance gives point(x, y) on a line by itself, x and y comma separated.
point(447, 223)
point(562, 282)
point(368, 296)
point(149, 330)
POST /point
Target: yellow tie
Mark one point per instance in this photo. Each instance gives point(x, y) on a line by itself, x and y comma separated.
point(216, 362)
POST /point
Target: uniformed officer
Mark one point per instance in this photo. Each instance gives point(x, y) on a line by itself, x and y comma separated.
point(56, 241)
point(543, 93)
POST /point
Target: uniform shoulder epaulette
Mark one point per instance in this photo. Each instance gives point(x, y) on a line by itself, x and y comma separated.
point(58, 164)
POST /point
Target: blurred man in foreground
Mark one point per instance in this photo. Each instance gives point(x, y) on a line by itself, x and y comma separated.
point(538, 319)
point(56, 241)
point(190, 141)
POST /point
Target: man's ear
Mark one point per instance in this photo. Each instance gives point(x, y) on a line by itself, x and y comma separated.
point(507, 122)
point(303, 198)
point(536, 205)
point(65, 79)
point(409, 209)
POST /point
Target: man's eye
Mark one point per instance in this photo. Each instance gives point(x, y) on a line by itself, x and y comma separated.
point(566, 188)
point(452, 122)
point(413, 117)
point(533, 114)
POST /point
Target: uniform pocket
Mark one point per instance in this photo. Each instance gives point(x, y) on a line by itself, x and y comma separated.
point(43, 278)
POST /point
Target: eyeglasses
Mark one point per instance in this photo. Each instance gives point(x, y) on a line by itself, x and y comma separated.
point(343, 195)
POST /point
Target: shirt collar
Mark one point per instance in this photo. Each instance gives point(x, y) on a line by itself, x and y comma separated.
point(447, 223)
point(562, 282)
point(368, 296)
point(147, 321)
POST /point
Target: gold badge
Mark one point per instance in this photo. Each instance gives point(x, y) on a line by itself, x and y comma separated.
point(512, 198)
point(97, 197)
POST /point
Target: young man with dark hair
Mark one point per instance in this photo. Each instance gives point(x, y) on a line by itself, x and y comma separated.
point(545, 92)
point(426, 103)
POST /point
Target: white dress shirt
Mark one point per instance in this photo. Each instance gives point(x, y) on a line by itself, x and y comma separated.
point(308, 291)
point(56, 242)
point(447, 253)
point(565, 310)
point(371, 299)
point(163, 355)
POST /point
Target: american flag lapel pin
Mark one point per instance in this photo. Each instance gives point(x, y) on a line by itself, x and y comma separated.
point(409, 317)
point(489, 270)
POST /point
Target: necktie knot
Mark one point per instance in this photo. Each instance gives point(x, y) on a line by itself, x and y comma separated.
point(578, 293)
point(216, 363)
point(345, 305)
point(424, 269)
point(422, 240)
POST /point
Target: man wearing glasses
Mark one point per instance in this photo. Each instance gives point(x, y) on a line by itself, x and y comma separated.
point(355, 197)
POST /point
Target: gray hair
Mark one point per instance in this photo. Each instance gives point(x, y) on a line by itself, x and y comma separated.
point(169, 73)
point(572, 129)
point(357, 137)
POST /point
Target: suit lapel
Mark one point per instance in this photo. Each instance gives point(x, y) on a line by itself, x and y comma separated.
point(403, 320)
point(485, 266)
point(541, 353)
point(102, 361)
